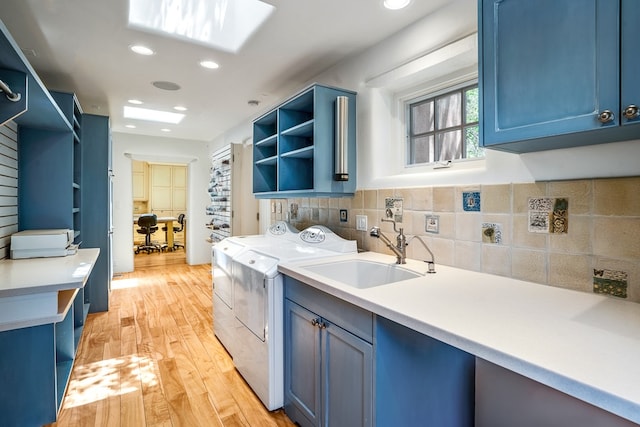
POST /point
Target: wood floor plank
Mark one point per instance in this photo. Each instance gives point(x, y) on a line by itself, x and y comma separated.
point(154, 361)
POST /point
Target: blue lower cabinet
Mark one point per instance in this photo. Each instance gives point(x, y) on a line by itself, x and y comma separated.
point(345, 366)
point(328, 369)
point(421, 381)
point(35, 366)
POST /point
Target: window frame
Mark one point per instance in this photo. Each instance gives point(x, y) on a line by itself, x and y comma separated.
point(434, 94)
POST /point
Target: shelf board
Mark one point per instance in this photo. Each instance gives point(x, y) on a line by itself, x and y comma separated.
point(269, 161)
point(268, 141)
point(302, 129)
point(301, 153)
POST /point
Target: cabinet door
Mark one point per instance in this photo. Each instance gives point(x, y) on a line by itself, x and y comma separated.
point(347, 375)
point(140, 180)
point(138, 186)
point(179, 189)
point(548, 67)
point(420, 380)
point(302, 365)
point(630, 61)
point(161, 197)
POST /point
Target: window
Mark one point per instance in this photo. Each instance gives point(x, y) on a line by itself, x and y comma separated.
point(444, 127)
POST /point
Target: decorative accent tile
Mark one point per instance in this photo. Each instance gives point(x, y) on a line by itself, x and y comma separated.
point(471, 201)
point(548, 215)
point(560, 216)
point(393, 208)
point(432, 224)
point(491, 233)
point(610, 282)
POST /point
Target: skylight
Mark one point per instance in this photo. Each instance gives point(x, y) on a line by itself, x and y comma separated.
point(223, 24)
point(152, 115)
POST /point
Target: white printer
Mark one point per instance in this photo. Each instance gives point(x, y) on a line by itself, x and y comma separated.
point(42, 243)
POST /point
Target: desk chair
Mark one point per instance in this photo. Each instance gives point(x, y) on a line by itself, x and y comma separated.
point(147, 225)
point(176, 229)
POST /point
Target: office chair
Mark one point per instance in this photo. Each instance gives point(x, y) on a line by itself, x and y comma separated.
point(147, 225)
point(176, 229)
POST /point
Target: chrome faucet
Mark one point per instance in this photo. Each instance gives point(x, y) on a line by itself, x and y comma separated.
point(400, 248)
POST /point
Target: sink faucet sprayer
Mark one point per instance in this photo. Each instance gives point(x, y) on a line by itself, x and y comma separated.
point(400, 248)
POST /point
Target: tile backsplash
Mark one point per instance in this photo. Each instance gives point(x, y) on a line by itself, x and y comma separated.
point(589, 242)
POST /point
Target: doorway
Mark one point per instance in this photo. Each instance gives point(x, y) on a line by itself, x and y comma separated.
point(161, 189)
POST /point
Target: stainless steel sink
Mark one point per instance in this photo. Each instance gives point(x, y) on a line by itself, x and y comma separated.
point(363, 274)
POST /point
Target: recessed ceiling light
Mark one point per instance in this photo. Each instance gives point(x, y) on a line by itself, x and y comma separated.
point(165, 130)
point(180, 108)
point(222, 24)
point(134, 101)
point(141, 50)
point(209, 64)
point(152, 115)
point(130, 126)
point(396, 4)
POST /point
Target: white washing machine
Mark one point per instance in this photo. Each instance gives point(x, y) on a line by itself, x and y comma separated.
point(257, 336)
point(222, 254)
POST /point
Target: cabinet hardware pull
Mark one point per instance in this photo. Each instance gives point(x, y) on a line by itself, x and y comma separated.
point(319, 323)
point(606, 116)
point(631, 112)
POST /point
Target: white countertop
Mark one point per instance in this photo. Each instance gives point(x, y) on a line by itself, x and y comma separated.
point(583, 344)
point(38, 275)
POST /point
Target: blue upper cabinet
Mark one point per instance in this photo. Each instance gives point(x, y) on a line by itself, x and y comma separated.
point(36, 108)
point(630, 62)
point(553, 75)
point(294, 146)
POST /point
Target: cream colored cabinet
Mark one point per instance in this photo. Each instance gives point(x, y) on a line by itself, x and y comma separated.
point(168, 189)
point(140, 178)
point(179, 189)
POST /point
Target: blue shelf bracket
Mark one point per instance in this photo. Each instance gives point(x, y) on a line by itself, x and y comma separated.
point(14, 102)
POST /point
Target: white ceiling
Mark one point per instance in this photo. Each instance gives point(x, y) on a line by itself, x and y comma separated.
point(83, 47)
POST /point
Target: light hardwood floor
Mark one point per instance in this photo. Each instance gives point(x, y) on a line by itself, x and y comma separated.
point(153, 359)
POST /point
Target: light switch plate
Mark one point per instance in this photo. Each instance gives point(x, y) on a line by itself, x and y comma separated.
point(361, 222)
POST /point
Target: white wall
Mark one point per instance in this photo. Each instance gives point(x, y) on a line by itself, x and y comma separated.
point(380, 137)
point(166, 150)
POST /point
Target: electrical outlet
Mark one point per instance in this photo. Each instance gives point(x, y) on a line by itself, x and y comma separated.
point(361, 222)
